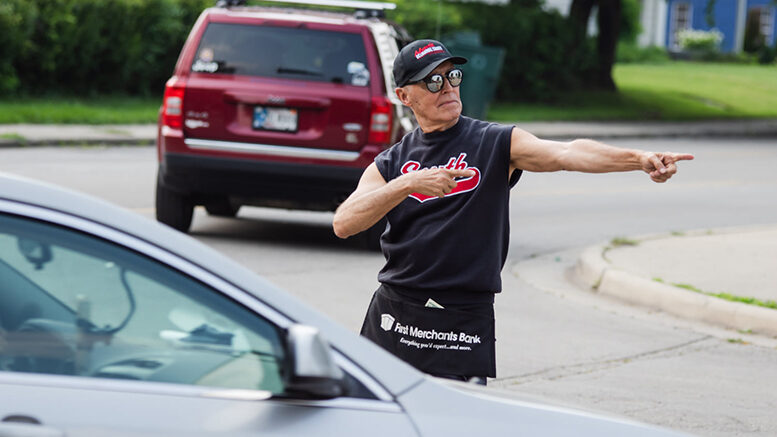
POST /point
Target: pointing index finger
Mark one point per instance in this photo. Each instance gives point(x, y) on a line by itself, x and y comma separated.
point(461, 173)
point(681, 157)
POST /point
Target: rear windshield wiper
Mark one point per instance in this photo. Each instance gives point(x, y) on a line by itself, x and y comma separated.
point(298, 71)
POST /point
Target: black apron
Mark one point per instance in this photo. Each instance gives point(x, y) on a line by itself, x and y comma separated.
point(455, 340)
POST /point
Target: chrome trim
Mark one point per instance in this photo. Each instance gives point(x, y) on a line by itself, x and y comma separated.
point(172, 260)
point(268, 149)
point(347, 403)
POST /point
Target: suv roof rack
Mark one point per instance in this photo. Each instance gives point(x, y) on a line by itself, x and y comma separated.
point(230, 3)
point(364, 9)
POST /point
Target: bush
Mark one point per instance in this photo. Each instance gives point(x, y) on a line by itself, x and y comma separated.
point(632, 53)
point(701, 41)
point(17, 18)
point(420, 18)
point(543, 59)
point(767, 55)
point(87, 47)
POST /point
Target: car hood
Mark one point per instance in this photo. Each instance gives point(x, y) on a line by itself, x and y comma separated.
point(447, 408)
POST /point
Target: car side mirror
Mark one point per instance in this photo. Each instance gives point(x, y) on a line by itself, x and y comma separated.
point(312, 371)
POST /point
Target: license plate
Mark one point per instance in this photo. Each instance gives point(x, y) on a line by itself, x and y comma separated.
point(278, 119)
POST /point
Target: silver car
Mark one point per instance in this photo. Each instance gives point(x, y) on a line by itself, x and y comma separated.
point(114, 325)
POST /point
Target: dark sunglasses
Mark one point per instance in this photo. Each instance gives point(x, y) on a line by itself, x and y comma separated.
point(435, 82)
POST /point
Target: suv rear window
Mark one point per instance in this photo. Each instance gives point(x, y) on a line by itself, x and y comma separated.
point(283, 52)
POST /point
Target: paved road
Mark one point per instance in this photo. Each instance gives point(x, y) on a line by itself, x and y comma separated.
point(554, 339)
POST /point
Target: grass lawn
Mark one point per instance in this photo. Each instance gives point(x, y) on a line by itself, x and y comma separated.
point(667, 91)
point(97, 110)
point(670, 91)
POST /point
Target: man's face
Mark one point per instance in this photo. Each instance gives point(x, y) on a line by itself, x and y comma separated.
point(441, 107)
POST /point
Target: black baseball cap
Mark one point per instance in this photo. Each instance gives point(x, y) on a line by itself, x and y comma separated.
point(416, 60)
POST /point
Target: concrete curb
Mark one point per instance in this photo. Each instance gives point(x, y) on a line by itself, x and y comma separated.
point(24, 135)
point(28, 135)
point(593, 270)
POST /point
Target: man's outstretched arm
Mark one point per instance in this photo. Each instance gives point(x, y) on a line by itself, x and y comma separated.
point(530, 153)
point(374, 197)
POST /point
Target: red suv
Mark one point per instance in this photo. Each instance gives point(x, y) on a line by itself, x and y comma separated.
point(277, 107)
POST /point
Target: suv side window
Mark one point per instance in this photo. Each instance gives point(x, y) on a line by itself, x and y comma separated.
point(282, 52)
point(73, 304)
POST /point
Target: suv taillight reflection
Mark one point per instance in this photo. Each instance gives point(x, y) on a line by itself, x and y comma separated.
point(172, 105)
point(380, 121)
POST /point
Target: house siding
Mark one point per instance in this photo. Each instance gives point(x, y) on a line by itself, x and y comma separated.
point(725, 16)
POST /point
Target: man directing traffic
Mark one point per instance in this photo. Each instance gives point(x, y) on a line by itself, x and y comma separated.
point(445, 190)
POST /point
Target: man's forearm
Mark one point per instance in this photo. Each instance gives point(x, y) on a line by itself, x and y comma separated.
point(362, 210)
point(591, 156)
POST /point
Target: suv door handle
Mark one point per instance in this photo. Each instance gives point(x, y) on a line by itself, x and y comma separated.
point(28, 430)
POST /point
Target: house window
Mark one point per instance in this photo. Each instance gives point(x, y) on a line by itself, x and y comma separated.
point(759, 29)
point(681, 20)
point(767, 23)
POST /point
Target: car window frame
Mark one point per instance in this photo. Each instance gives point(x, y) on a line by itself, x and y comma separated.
point(249, 301)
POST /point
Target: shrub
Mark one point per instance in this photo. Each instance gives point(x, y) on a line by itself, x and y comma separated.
point(87, 47)
point(17, 19)
point(632, 53)
point(700, 40)
point(421, 18)
point(543, 58)
point(767, 55)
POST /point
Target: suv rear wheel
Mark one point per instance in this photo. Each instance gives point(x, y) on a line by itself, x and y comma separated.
point(222, 208)
point(172, 208)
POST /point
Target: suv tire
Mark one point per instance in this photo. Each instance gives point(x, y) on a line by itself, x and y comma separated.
point(172, 208)
point(222, 208)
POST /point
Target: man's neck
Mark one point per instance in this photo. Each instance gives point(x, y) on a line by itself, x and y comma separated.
point(429, 127)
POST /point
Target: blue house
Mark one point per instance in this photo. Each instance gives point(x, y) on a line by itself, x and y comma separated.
point(733, 18)
point(662, 19)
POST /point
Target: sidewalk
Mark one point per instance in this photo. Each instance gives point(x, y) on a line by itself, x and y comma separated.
point(740, 262)
point(20, 135)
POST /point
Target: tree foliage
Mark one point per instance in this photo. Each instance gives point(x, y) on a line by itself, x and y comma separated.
point(92, 46)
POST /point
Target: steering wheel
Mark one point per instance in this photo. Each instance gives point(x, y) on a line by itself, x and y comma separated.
point(43, 346)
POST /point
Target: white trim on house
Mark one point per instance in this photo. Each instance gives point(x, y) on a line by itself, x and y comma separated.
point(739, 37)
point(653, 20)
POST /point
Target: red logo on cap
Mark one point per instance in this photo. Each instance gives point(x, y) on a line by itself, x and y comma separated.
point(425, 50)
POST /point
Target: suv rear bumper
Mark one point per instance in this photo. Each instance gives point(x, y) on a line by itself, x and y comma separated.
point(260, 183)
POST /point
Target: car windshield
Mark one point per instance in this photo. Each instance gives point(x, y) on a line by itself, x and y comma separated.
point(282, 52)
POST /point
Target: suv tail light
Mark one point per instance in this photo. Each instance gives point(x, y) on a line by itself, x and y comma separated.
point(172, 105)
point(380, 121)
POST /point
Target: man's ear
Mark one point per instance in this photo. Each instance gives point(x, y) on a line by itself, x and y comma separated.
point(403, 96)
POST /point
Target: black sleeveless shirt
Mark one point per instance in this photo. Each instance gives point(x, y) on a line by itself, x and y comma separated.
point(457, 243)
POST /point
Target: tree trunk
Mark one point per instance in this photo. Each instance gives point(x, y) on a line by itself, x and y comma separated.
point(579, 12)
point(609, 19)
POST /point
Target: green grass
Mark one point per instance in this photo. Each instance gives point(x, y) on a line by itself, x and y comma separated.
point(725, 296)
point(621, 241)
point(668, 91)
point(98, 110)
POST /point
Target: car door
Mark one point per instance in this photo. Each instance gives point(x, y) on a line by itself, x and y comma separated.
point(103, 334)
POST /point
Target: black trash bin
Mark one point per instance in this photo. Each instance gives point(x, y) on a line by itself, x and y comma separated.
point(481, 72)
